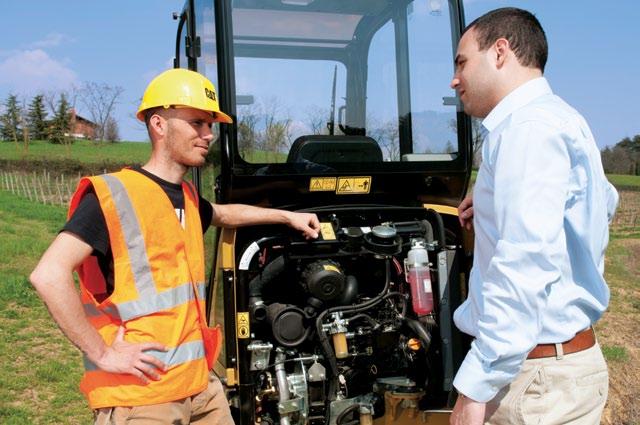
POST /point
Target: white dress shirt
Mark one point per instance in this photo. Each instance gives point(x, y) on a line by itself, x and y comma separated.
point(542, 206)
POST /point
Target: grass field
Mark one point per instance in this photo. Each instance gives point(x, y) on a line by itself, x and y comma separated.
point(89, 152)
point(624, 181)
point(40, 371)
point(84, 151)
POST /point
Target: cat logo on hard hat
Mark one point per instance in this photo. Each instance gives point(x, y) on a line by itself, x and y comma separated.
point(210, 94)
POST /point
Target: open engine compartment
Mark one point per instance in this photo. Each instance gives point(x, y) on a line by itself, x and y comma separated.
point(338, 335)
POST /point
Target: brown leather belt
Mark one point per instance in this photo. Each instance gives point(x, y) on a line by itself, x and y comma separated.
point(582, 341)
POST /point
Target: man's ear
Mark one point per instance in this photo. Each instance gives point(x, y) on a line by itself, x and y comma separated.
point(502, 49)
point(157, 125)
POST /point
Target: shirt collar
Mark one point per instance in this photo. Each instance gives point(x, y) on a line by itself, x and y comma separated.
point(515, 100)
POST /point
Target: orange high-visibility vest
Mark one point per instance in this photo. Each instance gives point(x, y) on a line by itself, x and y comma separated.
point(158, 274)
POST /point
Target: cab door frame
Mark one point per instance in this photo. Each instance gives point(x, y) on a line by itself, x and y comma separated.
point(192, 51)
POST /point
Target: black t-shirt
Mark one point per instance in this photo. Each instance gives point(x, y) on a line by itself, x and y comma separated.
point(88, 222)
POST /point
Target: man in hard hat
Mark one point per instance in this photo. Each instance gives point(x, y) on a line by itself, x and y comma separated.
point(135, 239)
point(541, 208)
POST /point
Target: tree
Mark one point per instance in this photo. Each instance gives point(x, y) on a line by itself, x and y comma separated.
point(390, 140)
point(632, 145)
point(51, 98)
point(111, 131)
point(11, 120)
point(387, 135)
point(623, 158)
point(276, 136)
point(247, 132)
point(317, 119)
point(24, 125)
point(477, 138)
point(449, 147)
point(277, 132)
point(100, 100)
point(36, 118)
point(61, 124)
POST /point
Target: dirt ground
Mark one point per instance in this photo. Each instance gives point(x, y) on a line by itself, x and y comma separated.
point(620, 327)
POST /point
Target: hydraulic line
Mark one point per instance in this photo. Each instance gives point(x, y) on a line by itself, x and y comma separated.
point(440, 227)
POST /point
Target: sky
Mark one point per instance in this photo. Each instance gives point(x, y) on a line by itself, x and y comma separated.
point(594, 57)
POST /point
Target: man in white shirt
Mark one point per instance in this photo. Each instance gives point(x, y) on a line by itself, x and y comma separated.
point(540, 209)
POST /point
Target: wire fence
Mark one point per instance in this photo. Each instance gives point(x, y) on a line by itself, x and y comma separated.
point(57, 189)
point(43, 187)
point(628, 212)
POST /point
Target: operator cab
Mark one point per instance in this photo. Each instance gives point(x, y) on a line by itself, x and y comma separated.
point(345, 74)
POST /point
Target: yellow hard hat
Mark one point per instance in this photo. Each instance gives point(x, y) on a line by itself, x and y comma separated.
point(182, 87)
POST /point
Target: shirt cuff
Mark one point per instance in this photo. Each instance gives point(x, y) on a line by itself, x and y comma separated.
point(474, 381)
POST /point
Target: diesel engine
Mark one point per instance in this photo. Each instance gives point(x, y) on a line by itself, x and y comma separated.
point(353, 326)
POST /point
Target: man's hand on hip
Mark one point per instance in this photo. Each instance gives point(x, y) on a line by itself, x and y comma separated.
point(125, 357)
point(467, 412)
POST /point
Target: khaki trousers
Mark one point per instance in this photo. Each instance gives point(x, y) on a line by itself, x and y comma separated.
point(207, 407)
point(566, 389)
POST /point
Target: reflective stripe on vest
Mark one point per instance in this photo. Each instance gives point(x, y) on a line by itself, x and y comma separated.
point(133, 237)
point(170, 298)
point(174, 356)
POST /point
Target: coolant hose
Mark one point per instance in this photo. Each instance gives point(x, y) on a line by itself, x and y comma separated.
point(269, 273)
point(440, 225)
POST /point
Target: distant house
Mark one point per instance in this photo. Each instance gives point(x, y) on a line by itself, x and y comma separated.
point(82, 128)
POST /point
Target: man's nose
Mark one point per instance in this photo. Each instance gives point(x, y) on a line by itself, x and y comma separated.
point(207, 134)
point(455, 82)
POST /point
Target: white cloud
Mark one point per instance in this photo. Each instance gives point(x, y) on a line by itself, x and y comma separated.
point(31, 71)
point(51, 40)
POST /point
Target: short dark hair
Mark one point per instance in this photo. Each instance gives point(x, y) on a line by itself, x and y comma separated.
point(520, 27)
point(151, 112)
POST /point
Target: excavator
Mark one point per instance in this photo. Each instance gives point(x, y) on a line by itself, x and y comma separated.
point(342, 108)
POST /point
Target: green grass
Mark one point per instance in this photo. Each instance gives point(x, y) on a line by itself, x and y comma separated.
point(626, 181)
point(259, 157)
point(39, 380)
point(89, 152)
point(615, 353)
point(84, 151)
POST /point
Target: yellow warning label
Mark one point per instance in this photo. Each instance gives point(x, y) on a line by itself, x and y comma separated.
point(242, 325)
point(353, 185)
point(322, 184)
point(326, 230)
